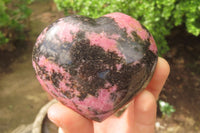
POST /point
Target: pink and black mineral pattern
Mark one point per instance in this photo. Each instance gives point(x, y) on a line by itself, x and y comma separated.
point(95, 66)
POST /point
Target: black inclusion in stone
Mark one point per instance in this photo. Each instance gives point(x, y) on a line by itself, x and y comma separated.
point(68, 94)
point(88, 62)
point(56, 78)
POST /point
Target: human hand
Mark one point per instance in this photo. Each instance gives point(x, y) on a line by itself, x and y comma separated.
point(139, 117)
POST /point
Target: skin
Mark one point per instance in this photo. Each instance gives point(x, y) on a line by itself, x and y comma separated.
point(139, 117)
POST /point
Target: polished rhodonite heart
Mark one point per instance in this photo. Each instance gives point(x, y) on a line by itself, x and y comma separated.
point(95, 66)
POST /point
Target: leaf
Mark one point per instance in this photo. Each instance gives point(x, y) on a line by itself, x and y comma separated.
point(166, 108)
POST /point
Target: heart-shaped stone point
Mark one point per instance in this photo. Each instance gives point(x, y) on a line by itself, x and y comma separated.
point(95, 66)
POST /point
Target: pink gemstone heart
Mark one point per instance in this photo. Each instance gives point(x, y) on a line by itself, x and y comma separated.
point(95, 66)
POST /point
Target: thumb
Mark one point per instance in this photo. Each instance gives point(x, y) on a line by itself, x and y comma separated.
point(68, 120)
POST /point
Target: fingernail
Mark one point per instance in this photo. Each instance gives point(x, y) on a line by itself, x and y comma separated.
point(60, 130)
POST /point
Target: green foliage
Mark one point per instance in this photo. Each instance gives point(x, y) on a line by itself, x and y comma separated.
point(13, 16)
point(159, 16)
point(166, 108)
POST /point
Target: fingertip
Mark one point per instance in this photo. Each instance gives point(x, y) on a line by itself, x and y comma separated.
point(164, 65)
point(52, 114)
point(69, 120)
point(162, 70)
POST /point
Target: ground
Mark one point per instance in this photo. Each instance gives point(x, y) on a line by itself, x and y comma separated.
point(182, 88)
point(21, 96)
